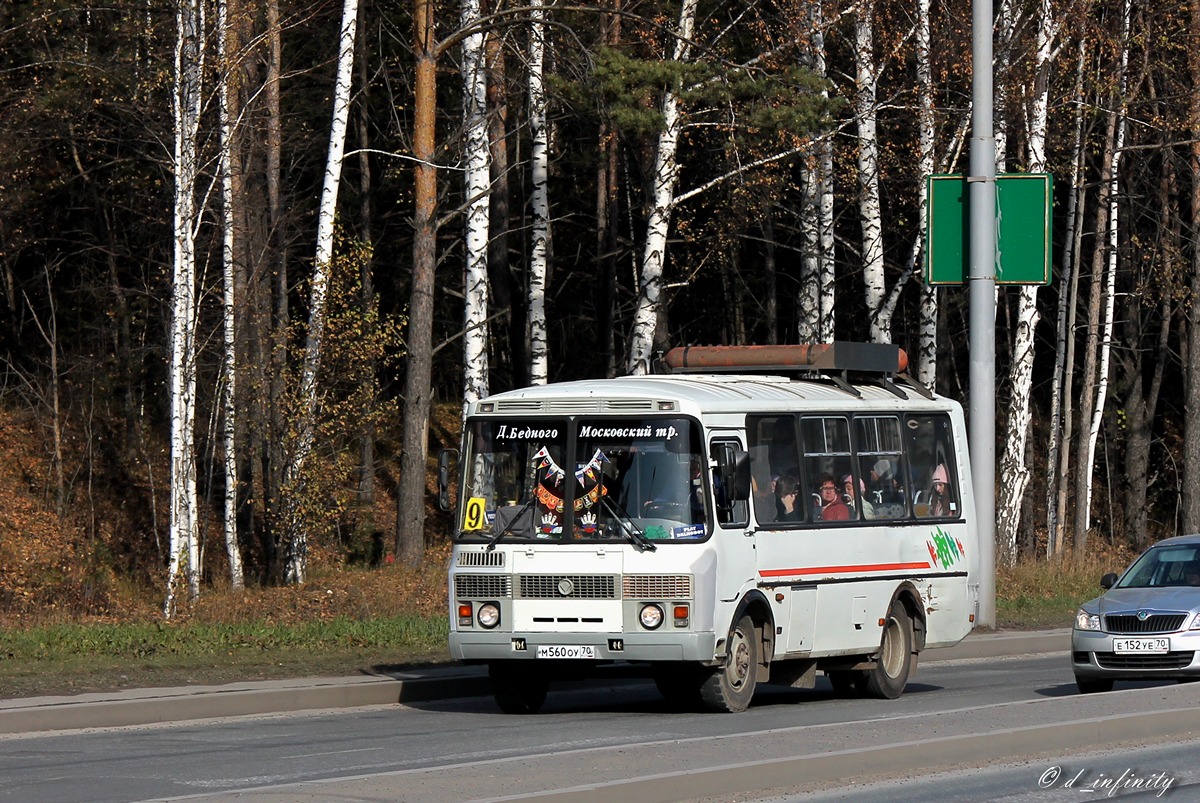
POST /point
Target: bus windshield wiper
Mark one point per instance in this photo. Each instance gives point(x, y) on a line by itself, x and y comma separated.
point(628, 526)
point(508, 528)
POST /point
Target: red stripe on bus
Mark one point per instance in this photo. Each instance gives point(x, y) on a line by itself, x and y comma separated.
point(866, 567)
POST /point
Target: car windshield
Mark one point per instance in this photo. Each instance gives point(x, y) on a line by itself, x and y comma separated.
point(1163, 567)
point(584, 480)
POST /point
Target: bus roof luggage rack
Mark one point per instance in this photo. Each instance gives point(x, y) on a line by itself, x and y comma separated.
point(878, 358)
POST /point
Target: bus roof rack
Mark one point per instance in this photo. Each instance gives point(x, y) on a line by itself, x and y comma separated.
point(842, 355)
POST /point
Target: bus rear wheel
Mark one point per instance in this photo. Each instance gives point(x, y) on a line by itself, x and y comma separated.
point(730, 687)
point(518, 689)
point(888, 678)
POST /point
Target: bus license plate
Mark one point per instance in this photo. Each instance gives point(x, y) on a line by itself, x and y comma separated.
point(1141, 645)
point(566, 651)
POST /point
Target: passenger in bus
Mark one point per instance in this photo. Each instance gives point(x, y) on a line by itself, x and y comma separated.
point(884, 485)
point(856, 499)
point(764, 498)
point(940, 496)
point(787, 494)
point(832, 506)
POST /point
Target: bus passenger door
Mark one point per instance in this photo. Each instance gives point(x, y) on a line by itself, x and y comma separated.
point(733, 539)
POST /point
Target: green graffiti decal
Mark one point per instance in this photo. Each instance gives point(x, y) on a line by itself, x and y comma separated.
point(944, 549)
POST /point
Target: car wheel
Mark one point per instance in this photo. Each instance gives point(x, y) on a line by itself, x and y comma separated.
point(1093, 685)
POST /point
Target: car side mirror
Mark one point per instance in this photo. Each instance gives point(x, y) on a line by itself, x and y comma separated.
point(1108, 581)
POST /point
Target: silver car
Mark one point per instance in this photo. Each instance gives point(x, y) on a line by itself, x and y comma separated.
point(1146, 625)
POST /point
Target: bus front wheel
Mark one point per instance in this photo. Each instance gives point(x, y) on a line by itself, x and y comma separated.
point(888, 678)
point(730, 687)
point(518, 689)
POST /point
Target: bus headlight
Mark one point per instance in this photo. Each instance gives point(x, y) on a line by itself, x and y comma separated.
point(651, 616)
point(489, 615)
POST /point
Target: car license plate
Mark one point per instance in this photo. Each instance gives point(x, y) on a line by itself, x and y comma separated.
point(566, 651)
point(1141, 645)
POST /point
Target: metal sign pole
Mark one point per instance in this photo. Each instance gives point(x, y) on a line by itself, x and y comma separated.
point(981, 197)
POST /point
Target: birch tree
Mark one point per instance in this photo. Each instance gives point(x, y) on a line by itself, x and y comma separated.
point(298, 546)
point(1061, 421)
point(817, 289)
point(665, 176)
point(1101, 299)
point(186, 103)
point(227, 92)
point(539, 201)
point(478, 177)
point(867, 159)
point(1014, 473)
point(928, 315)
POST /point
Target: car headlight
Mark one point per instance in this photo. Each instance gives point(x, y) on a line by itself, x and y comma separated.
point(1195, 625)
point(1086, 621)
point(489, 615)
point(651, 616)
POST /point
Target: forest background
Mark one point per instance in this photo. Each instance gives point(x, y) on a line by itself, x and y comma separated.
point(256, 256)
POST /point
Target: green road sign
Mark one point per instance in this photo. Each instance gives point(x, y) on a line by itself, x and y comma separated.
point(1023, 234)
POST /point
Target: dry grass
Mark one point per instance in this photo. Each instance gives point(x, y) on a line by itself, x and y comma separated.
point(1036, 593)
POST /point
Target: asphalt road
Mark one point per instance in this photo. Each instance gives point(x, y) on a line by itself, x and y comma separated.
point(177, 704)
point(596, 740)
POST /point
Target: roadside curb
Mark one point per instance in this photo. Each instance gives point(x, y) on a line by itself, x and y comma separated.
point(251, 698)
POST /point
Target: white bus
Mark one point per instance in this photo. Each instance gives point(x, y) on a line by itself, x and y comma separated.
point(757, 515)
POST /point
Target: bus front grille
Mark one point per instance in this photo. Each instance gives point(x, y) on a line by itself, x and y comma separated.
point(566, 586)
point(656, 586)
point(482, 586)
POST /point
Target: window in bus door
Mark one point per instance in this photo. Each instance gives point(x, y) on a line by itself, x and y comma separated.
point(827, 460)
point(779, 500)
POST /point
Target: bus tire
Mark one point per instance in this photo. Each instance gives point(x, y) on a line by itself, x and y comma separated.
point(888, 678)
point(730, 687)
point(517, 689)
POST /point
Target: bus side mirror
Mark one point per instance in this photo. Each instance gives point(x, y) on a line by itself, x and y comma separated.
point(734, 467)
point(443, 478)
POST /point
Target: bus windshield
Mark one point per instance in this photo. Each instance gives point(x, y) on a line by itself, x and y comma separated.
point(586, 479)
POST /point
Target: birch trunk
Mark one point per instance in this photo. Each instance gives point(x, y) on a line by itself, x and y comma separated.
point(867, 158)
point(1101, 309)
point(928, 315)
point(184, 506)
point(666, 173)
point(1014, 473)
point(539, 202)
point(478, 177)
point(824, 187)
point(1061, 421)
point(228, 93)
point(297, 557)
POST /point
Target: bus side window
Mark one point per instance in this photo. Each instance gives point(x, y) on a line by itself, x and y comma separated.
point(935, 476)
